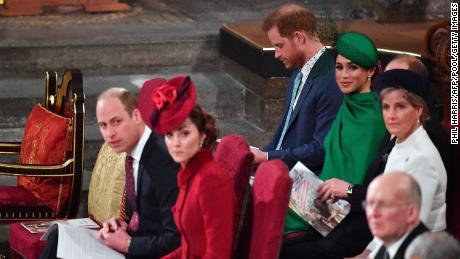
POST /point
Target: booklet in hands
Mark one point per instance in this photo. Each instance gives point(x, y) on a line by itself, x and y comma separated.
point(42, 226)
point(323, 216)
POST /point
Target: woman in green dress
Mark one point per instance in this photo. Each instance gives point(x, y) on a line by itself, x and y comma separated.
point(350, 146)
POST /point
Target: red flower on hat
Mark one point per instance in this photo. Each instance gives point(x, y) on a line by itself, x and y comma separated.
point(163, 95)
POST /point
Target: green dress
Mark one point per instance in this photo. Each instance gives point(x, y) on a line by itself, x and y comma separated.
point(350, 145)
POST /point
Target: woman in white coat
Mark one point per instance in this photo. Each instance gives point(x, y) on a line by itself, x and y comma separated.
point(404, 112)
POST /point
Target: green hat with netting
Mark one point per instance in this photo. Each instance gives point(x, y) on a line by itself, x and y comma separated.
point(358, 48)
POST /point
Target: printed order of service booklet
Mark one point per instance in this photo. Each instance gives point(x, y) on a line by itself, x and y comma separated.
point(35, 227)
point(77, 241)
point(323, 216)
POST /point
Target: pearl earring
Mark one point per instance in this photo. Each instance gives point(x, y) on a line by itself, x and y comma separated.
point(201, 143)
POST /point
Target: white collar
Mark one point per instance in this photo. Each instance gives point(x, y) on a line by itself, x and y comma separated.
point(310, 63)
point(393, 248)
point(412, 138)
point(139, 148)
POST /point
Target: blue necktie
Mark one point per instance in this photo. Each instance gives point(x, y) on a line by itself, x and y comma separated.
point(297, 83)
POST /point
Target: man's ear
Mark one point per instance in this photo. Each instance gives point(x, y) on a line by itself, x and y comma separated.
point(413, 213)
point(299, 37)
point(136, 115)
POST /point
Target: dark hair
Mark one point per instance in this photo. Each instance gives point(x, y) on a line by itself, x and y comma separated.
point(289, 18)
point(205, 123)
point(414, 100)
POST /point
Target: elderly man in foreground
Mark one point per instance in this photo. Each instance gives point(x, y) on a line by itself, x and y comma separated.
point(392, 208)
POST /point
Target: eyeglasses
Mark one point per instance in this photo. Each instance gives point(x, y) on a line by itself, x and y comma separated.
point(381, 205)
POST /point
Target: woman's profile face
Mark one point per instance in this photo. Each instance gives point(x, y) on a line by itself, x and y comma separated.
point(351, 77)
point(400, 116)
point(184, 142)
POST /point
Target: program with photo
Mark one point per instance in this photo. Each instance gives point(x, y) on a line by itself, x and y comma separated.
point(323, 216)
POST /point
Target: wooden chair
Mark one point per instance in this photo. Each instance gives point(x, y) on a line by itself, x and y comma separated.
point(63, 102)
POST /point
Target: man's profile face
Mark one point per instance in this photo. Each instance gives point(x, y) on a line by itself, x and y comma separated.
point(387, 211)
point(118, 128)
point(286, 50)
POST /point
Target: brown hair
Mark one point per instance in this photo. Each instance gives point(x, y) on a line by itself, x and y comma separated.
point(289, 18)
point(414, 100)
point(205, 123)
point(126, 98)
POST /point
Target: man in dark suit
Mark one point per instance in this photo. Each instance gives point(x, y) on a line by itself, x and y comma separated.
point(392, 209)
point(312, 97)
point(150, 231)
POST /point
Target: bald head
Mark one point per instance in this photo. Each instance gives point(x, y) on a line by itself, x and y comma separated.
point(408, 62)
point(402, 185)
point(392, 206)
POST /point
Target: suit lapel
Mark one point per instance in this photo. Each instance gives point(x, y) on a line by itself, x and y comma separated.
point(140, 169)
point(306, 88)
point(315, 71)
point(413, 234)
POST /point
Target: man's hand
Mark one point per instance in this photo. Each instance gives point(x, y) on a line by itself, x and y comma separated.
point(112, 225)
point(332, 188)
point(259, 156)
point(118, 240)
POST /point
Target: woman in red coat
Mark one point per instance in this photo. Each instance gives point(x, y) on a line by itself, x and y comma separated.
point(205, 207)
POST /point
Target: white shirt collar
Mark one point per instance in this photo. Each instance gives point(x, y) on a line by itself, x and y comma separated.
point(393, 248)
point(310, 63)
point(137, 154)
point(306, 69)
point(137, 151)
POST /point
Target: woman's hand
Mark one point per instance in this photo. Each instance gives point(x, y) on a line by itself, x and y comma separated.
point(332, 188)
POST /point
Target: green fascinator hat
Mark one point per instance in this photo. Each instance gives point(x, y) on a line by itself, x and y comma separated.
point(358, 48)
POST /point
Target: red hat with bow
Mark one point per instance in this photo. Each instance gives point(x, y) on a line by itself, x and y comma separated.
point(165, 105)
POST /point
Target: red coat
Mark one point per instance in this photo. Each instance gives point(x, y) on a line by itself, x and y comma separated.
point(204, 210)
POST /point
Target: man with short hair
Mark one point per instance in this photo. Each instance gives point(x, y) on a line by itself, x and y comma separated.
point(312, 98)
point(151, 182)
point(392, 209)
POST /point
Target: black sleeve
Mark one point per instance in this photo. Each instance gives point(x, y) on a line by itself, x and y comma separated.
point(375, 168)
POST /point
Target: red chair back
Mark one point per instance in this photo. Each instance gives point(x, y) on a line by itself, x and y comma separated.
point(234, 156)
point(270, 197)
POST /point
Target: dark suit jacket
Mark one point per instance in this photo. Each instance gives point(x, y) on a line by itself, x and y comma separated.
point(314, 113)
point(419, 229)
point(156, 194)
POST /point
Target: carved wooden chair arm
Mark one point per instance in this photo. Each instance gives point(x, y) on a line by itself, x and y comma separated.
point(64, 169)
point(10, 148)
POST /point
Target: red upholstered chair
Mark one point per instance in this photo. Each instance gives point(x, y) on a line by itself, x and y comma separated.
point(234, 156)
point(50, 164)
point(263, 228)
